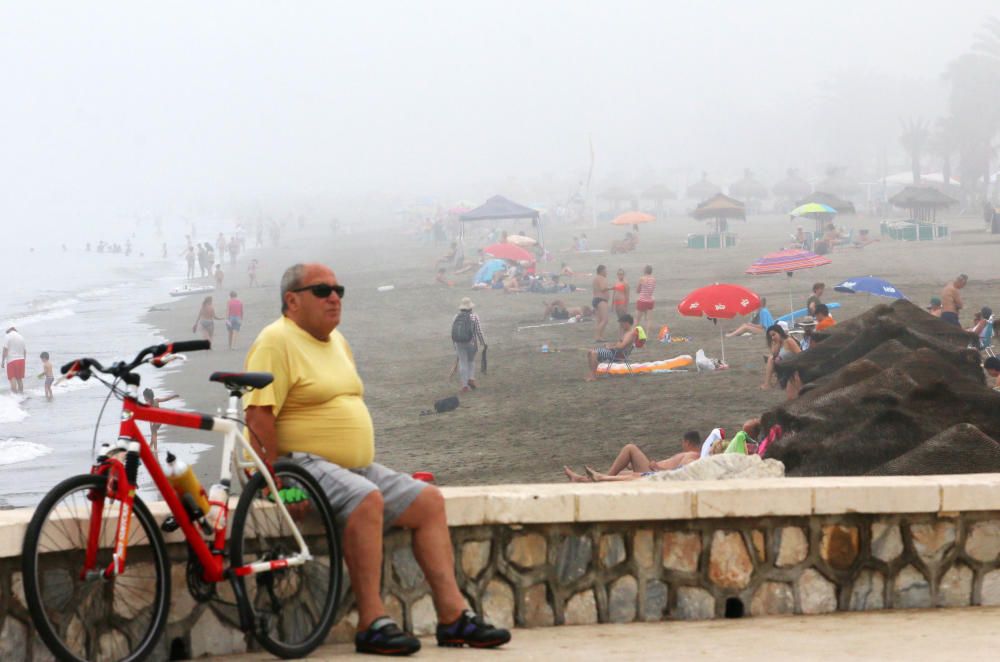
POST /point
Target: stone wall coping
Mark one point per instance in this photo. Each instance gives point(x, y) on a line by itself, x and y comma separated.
point(544, 503)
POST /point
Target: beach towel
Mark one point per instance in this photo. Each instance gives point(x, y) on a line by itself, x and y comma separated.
point(774, 434)
point(714, 436)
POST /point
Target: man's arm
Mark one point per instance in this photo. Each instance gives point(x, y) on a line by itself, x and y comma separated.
point(626, 340)
point(263, 432)
point(4, 356)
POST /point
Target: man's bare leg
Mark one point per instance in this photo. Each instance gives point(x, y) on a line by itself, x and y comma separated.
point(630, 457)
point(434, 552)
point(574, 477)
point(363, 554)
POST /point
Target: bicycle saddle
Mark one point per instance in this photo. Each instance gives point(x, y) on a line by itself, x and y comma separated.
point(237, 380)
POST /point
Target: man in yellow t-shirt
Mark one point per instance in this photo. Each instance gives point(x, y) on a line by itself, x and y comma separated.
point(314, 411)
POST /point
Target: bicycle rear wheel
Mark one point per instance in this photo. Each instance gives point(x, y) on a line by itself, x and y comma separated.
point(85, 616)
point(295, 606)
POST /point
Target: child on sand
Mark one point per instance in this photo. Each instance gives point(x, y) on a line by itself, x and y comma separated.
point(252, 272)
point(47, 374)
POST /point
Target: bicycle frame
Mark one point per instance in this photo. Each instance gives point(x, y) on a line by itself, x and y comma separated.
point(130, 437)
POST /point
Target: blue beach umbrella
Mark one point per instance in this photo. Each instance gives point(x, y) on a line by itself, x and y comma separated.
point(870, 285)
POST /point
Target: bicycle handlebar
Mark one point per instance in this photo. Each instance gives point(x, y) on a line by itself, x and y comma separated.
point(83, 366)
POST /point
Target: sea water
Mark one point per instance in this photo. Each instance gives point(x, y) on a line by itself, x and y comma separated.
point(73, 303)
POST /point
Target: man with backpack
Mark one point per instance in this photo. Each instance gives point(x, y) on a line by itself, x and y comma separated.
point(466, 334)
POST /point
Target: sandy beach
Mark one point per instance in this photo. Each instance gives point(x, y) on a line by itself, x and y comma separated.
point(533, 412)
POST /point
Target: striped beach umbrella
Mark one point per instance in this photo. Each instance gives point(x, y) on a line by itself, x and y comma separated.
point(787, 261)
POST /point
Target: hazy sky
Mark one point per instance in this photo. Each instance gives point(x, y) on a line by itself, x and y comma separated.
point(119, 104)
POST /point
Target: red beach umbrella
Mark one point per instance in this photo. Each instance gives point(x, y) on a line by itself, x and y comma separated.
point(787, 261)
point(719, 301)
point(509, 252)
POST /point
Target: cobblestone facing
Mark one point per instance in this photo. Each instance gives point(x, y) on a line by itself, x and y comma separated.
point(553, 574)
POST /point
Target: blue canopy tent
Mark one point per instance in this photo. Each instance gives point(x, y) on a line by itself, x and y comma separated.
point(499, 208)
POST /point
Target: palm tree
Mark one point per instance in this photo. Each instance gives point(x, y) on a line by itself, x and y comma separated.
point(913, 139)
point(975, 106)
point(942, 144)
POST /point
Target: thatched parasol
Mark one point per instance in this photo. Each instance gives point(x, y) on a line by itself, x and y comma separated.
point(748, 188)
point(838, 184)
point(703, 189)
point(658, 193)
point(922, 201)
point(792, 187)
point(720, 207)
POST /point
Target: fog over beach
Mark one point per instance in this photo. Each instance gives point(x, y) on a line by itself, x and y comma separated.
point(337, 132)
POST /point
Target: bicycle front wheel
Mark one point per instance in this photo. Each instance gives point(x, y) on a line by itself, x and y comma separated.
point(79, 613)
point(295, 606)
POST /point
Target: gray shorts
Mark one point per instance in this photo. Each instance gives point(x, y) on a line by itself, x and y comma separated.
point(346, 488)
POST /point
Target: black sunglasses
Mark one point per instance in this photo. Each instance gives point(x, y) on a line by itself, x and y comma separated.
point(322, 290)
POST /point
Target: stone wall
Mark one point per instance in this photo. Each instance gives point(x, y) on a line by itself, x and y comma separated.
point(535, 556)
point(541, 575)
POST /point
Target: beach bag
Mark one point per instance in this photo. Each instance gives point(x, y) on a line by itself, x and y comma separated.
point(462, 329)
point(446, 404)
point(640, 337)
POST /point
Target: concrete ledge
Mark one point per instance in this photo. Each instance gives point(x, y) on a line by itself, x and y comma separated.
point(650, 501)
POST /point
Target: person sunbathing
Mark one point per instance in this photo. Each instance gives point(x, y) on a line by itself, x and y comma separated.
point(632, 463)
point(760, 321)
point(558, 310)
point(441, 280)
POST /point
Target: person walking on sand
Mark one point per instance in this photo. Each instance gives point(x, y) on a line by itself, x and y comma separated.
point(206, 319)
point(599, 303)
point(466, 334)
point(220, 277)
point(314, 411)
point(951, 300)
point(153, 401)
point(234, 318)
point(645, 303)
point(619, 298)
point(189, 255)
point(252, 272)
point(47, 374)
point(15, 355)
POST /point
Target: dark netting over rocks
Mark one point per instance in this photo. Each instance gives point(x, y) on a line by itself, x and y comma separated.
point(892, 391)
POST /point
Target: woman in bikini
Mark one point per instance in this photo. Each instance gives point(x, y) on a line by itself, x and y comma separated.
point(783, 347)
point(620, 294)
point(206, 319)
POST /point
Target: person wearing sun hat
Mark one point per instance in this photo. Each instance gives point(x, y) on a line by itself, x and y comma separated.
point(467, 334)
point(808, 325)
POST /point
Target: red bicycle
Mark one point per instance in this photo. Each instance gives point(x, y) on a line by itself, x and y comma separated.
point(95, 564)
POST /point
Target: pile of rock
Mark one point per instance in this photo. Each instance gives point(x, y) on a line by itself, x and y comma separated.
point(894, 391)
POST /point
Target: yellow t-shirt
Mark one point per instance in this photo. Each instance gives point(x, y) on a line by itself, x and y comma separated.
point(317, 396)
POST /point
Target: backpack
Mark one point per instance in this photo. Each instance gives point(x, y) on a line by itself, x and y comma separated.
point(446, 404)
point(462, 329)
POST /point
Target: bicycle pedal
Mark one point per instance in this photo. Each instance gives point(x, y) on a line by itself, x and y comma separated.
point(170, 525)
